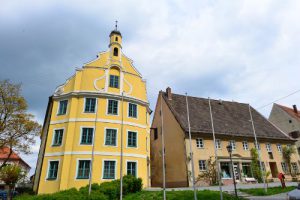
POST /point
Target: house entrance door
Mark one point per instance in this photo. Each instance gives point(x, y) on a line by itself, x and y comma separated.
point(273, 168)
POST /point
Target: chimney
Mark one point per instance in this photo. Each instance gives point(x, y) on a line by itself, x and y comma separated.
point(169, 93)
point(295, 109)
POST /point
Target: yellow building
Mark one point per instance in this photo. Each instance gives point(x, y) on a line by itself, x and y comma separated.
point(89, 110)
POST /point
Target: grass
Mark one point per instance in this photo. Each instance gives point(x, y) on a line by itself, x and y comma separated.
point(271, 191)
point(182, 195)
point(143, 195)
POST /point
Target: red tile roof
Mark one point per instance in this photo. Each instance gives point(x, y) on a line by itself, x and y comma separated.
point(4, 152)
point(290, 111)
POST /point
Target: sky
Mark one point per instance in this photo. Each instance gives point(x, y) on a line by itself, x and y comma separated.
point(246, 51)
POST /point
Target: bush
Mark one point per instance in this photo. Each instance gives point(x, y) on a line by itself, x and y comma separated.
point(131, 184)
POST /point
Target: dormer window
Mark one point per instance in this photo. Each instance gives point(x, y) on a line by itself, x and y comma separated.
point(116, 51)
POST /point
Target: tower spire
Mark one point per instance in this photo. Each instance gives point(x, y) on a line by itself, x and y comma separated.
point(116, 26)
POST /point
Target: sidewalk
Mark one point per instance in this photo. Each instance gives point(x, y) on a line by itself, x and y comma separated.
point(226, 188)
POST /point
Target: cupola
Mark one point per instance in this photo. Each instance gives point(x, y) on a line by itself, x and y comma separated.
point(115, 43)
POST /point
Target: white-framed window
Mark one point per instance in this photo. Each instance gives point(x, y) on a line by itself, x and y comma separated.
point(132, 168)
point(83, 169)
point(132, 110)
point(114, 81)
point(233, 145)
point(131, 139)
point(284, 167)
point(294, 167)
point(58, 137)
point(263, 166)
point(62, 109)
point(202, 165)
point(268, 146)
point(288, 145)
point(245, 145)
point(112, 108)
point(53, 170)
point(90, 105)
point(87, 136)
point(199, 143)
point(218, 143)
point(110, 137)
point(109, 169)
point(279, 148)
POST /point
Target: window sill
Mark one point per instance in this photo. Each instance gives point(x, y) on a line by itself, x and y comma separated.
point(51, 179)
point(56, 145)
point(132, 147)
point(86, 112)
point(84, 178)
point(61, 114)
point(86, 144)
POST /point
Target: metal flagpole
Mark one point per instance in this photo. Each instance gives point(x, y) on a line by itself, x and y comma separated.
point(215, 148)
point(163, 146)
point(93, 149)
point(191, 152)
point(121, 162)
point(256, 145)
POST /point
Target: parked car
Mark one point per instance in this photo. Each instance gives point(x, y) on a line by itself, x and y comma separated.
point(294, 194)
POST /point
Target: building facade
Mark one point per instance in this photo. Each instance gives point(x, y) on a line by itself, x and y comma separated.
point(232, 124)
point(288, 120)
point(103, 103)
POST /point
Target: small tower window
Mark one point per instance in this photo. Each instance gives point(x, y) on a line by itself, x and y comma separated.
point(116, 51)
point(116, 38)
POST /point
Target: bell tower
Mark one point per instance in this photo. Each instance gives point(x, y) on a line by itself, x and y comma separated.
point(115, 43)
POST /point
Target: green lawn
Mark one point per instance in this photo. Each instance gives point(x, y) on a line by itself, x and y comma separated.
point(182, 195)
point(271, 191)
point(144, 195)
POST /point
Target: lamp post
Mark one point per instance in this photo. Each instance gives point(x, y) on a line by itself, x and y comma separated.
point(229, 149)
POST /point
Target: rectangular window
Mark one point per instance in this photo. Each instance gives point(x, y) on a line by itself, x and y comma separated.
point(202, 165)
point(109, 169)
point(288, 146)
point(232, 143)
point(268, 146)
point(295, 167)
point(83, 169)
point(279, 148)
point(257, 146)
point(156, 134)
point(132, 138)
point(199, 142)
point(87, 136)
point(263, 166)
point(132, 110)
point(111, 137)
point(114, 81)
point(90, 105)
point(218, 143)
point(58, 136)
point(62, 110)
point(245, 145)
point(284, 167)
point(131, 168)
point(112, 107)
point(53, 169)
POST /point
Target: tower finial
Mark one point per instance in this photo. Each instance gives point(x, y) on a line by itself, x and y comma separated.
point(116, 25)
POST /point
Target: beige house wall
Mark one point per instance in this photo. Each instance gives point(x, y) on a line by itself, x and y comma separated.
point(175, 158)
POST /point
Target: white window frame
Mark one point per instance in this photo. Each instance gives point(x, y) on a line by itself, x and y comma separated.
point(137, 141)
point(218, 144)
point(96, 105)
point(137, 113)
point(279, 148)
point(48, 167)
point(57, 112)
point(53, 136)
point(285, 166)
point(201, 144)
point(77, 165)
point(233, 144)
point(245, 145)
point(257, 146)
point(107, 103)
point(201, 170)
point(93, 138)
point(116, 164)
point(105, 128)
point(136, 161)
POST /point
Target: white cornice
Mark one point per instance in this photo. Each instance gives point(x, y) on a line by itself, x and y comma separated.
point(100, 153)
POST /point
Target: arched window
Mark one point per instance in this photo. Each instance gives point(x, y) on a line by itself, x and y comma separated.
point(115, 51)
point(116, 38)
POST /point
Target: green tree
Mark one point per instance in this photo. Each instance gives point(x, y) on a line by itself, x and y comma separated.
point(17, 129)
point(10, 175)
point(210, 175)
point(255, 165)
point(287, 153)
